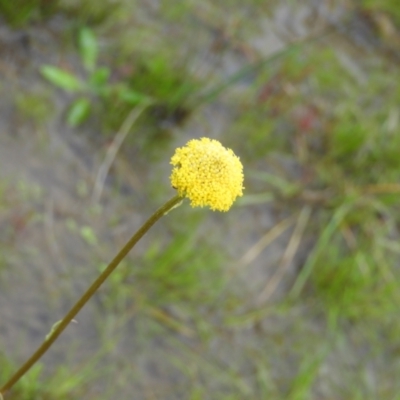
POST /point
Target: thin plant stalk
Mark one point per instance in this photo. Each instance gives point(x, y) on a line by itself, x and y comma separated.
point(59, 327)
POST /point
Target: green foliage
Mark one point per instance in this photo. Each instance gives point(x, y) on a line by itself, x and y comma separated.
point(88, 48)
point(19, 12)
point(178, 273)
point(302, 384)
point(159, 82)
point(262, 141)
point(391, 7)
point(60, 385)
point(91, 12)
point(175, 274)
point(154, 82)
point(160, 79)
point(34, 106)
point(96, 86)
point(78, 112)
point(352, 165)
point(62, 79)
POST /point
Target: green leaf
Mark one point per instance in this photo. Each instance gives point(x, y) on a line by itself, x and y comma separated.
point(78, 112)
point(88, 48)
point(99, 77)
point(133, 97)
point(61, 78)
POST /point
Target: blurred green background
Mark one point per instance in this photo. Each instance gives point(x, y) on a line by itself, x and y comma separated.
point(293, 294)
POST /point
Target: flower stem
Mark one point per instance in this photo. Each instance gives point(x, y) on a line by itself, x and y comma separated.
point(61, 325)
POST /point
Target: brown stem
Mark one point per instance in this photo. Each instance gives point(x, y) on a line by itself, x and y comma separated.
point(59, 328)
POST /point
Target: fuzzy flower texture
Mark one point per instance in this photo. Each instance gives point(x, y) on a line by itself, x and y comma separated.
point(208, 174)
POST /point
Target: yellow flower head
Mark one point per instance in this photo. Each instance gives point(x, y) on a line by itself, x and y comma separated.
point(208, 174)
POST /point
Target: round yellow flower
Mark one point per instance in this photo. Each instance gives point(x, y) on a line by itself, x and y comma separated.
point(208, 174)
